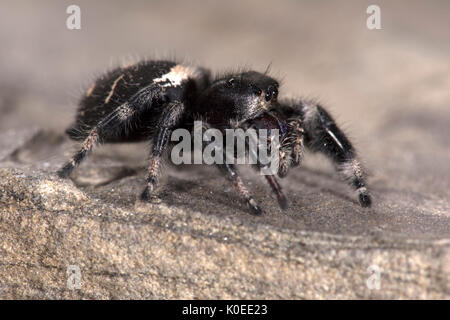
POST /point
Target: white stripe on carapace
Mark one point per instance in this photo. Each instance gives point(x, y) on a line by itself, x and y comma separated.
point(177, 75)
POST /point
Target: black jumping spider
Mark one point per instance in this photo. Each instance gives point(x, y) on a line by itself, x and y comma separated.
point(150, 99)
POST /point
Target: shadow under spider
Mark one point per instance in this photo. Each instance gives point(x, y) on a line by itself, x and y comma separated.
point(322, 181)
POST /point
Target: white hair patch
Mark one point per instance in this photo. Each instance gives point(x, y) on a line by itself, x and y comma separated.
point(177, 75)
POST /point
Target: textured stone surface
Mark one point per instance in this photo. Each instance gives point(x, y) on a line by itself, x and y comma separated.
point(389, 87)
point(128, 249)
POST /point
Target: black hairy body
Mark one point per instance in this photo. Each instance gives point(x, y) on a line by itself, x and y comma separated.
point(114, 89)
point(150, 99)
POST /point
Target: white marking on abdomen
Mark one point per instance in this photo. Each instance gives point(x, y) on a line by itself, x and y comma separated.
point(177, 75)
point(90, 90)
point(113, 87)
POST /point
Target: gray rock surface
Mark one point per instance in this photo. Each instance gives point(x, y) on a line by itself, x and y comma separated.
point(390, 88)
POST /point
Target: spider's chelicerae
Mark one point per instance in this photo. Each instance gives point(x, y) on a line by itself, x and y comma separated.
point(150, 99)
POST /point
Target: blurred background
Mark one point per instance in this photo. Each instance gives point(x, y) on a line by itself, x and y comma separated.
point(388, 88)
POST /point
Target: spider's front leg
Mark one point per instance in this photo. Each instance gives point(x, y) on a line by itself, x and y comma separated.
point(270, 121)
point(169, 120)
point(321, 134)
point(230, 172)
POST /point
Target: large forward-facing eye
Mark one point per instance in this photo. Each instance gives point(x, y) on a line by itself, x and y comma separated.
point(271, 93)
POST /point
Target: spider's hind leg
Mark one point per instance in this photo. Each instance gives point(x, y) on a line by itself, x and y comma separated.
point(323, 135)
point(78, 157)
point(109, 126)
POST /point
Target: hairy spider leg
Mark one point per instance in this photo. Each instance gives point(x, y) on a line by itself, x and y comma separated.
point(276, 188)
point(323, 135)
point(272, 181)
point(231, 174)
point(169, 119)
point(121, 116)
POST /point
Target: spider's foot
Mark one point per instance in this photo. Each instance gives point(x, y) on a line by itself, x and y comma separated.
point(295, 161)
point(296, 156)
point(65, 171)
point(146, 195)
point(283, 202)
point(255, 209)
point(364, 197)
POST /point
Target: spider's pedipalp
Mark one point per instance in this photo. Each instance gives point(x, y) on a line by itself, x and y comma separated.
point(285, 161)
point(296, 132)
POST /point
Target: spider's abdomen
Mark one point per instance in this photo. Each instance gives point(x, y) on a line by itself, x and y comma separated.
point(118, 86)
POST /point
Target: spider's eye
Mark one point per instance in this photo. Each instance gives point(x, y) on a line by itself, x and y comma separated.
point(268, 95)
point(275, 93)
point(231, 82)
point(256, 90)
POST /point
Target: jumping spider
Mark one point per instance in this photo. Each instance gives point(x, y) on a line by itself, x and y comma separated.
point(150, 99)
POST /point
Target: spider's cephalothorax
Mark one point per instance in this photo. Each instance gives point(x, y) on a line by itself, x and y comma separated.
point(150, 99)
